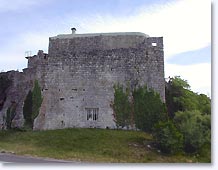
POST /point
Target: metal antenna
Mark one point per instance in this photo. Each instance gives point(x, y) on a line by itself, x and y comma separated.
point(28, 54)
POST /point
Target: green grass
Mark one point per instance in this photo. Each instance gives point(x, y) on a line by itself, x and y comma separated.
point(92, 145)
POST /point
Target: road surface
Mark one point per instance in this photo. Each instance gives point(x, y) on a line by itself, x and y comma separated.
point(12, 158)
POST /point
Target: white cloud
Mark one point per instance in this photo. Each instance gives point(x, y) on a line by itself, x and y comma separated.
point(185, 24)
point(198, 75)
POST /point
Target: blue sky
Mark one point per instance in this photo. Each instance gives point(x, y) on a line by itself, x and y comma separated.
point(202, 55)
point(184, 24)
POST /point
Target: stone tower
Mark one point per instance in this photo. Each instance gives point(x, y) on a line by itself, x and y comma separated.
point(79, 72)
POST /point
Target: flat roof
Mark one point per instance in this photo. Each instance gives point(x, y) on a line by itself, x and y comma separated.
point(99, 34)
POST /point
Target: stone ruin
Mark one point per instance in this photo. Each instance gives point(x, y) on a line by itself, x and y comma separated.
point(78, 74)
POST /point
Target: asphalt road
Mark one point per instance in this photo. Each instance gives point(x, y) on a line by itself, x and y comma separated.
point(12, 158)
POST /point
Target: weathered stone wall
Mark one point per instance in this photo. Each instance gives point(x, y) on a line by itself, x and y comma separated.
point(82, 71)
point(16, 93)
point(22, 82)
point(78, 75)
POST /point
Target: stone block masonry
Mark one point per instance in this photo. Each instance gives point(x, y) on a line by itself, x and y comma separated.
point(79, 72)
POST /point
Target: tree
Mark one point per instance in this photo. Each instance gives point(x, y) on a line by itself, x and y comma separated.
point(148, 108)
point(36, 99)
point(32, 105)
point(179, 83)
point(174, 89)
point(195, 128)
point(27, 110)
point(179, 97)
point(204, 104)
point(167, 137)
point(121, 106)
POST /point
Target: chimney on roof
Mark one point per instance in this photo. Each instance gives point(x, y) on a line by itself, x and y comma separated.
point(73, 30)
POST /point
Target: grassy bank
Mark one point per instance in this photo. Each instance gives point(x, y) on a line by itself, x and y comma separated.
point(92, 145)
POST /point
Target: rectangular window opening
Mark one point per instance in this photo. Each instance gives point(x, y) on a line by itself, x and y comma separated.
point(154, 44)
point(92, 114)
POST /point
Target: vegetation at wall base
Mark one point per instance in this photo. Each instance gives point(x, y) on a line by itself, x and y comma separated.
point(92, 145)
point(187, 124)
point(148, 108)
point(141, 107)
point(121, 107)
point(27, 111)
point(36, 99)
point(195, 128)
point(32, 104)
point(191, 114)
point(168, 138)
point(184, 135)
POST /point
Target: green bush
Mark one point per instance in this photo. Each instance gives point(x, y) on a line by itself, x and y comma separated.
point(167, 137)
point(27, 110)
point(141, 107)
point(32, 105)
point(36, 100)
point(179, 97)
point(195, 128)
point(148, 108)
point(121, 106)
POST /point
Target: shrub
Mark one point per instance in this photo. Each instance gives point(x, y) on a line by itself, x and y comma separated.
point(32, 105)
point(167, 137)
point(179, 97)
point(27, 110)
point(148, 108)
point(195, 128)
point(121, 106)
point(36, 99)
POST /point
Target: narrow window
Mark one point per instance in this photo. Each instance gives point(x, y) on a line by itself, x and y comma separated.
point(146, 53)
point(94, 114)
point(89, 113)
